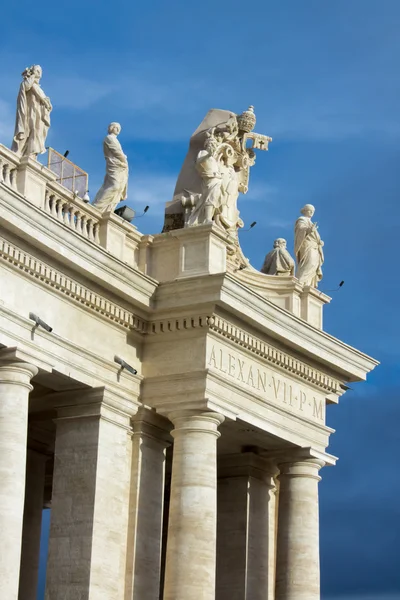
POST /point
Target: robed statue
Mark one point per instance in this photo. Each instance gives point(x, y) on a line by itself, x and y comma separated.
point(215, 171)
point(278, 261)
point(115, 185)
point(33, 115)
point(308, 248)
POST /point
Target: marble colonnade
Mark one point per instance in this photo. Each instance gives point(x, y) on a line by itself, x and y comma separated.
point(91, 507)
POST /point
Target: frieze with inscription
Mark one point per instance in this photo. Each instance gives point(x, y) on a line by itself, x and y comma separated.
point(266, 383)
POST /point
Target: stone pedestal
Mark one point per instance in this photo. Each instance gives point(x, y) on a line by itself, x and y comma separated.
point(190, 252)
point(119, 238)
point(14, 393)
point(191, 545)
point(245, 485)
point(34, 497)
point(89, 520)
point(32, 178)
point(297, 567)
point(149, 442)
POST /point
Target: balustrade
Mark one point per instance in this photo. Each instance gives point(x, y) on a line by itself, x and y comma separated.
point(74, 213)
point(8, 173)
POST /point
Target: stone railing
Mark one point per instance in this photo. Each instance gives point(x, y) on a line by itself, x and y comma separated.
point(8, 168)
point(72, 212)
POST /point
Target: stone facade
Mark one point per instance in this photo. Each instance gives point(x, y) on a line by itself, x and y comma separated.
point(234, 372)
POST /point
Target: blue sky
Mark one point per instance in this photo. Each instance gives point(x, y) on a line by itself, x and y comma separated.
point(324, 80)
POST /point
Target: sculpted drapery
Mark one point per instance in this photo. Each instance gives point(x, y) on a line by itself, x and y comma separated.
point(115, 185)
point(278, 261)
point(308, 248)
point(33, 115)
point(215, 171)
point(220, 186)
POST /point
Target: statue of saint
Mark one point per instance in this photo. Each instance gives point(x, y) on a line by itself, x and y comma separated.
point(220, 185)
point(33, 115)
point(278, 261)
point(115, 185)
point(308, 248)
point(208, 167)
point(215, 171)
point(228, 214)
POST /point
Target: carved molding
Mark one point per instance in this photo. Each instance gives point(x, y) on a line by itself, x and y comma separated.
point(66, 285)
point(273, 355)
point(96, 302)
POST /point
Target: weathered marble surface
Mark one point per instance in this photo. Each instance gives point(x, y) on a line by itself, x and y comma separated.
point(308, 248)
point(215, 171)
point(33, 115)
point(115, 185)
point(210, 341)
point(15, 386)
point(278, 261)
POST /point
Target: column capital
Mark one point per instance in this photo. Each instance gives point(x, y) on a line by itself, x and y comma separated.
point(151, 426)
point(193, 420)
point(25, 355)
point(17, 372)
point(95, 403)
point(247, 464)
point(308, 467)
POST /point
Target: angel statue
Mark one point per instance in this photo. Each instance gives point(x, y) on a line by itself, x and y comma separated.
point(308, 248)
point(33, 115)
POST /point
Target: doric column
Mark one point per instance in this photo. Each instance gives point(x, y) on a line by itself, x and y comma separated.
point(297, 568)
point(191, 544)
point(90, 499)
point(14, 393)
point(34, 495)
point(244, 557)
point(149, 442)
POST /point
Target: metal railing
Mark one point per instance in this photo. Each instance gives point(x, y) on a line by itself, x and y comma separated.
point(68, 174)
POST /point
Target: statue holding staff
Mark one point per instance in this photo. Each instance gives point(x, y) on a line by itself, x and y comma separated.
point(33, 115)
point(308, 248)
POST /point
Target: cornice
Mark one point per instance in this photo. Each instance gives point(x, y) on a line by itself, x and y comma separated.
point(80, 361)
point(283, 325)
point(273, 355)
point(69, 287)
point(127, 319)
point(52, 237)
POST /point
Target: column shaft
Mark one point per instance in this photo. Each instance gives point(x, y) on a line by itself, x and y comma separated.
point(297, 568)
point(88, 532)
point(34, 495)
point(243, 545)
point(149, 444)
point(14, 394)
point(191, 544)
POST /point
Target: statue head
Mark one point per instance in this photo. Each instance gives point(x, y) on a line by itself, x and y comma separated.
point(211, 144)
point(114, 128)
point(35, 70)
point(308, 210)
point(280, 243)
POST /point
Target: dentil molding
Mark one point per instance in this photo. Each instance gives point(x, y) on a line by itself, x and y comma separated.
point(53, 278)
